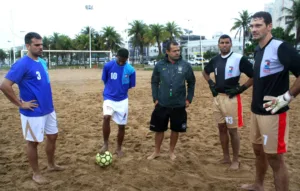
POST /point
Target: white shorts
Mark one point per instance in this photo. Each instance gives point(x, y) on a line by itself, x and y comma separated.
point(34, 127)
point(117, 109)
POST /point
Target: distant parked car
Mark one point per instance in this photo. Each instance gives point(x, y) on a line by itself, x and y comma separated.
point(200, 60)
point(103, 60)
point(192, 62)
point(153, 62)
point(145, 62)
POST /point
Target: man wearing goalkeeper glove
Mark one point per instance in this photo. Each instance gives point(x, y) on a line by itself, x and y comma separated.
point(227, 68)
point(274, 59)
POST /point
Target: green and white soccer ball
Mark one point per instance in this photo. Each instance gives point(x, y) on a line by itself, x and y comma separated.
point(104, 159)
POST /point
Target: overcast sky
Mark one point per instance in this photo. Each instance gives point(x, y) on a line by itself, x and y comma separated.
point(70, 16)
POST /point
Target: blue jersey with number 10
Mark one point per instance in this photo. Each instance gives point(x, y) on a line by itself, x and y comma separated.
point(117, 80)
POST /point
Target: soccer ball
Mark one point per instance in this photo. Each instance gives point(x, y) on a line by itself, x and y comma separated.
point(104, 159)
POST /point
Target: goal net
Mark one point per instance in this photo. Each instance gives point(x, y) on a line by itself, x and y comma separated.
point(74, 58)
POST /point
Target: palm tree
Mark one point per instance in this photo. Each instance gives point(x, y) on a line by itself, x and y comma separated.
point(65, 42)
point(3, 56)
point(111, 38)
point(46, 42)
point(138, 31)
point(135, 45)
point(279, 32)
point(241, 24)
point(81, 42)
point(54, 39)
point(60, 42)
point(157, 33)
point(47, 46)
point(294, 15)
point(98, 42)
point(173, 29)
point(86, 30)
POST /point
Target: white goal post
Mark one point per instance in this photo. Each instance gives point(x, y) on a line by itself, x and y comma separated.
point(56, 58)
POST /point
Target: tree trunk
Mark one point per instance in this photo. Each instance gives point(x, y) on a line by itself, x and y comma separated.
point(297, 36)
point(159, 47)
point(133, 60)
point(49, 60)
point(71, 59)
point(141, 53)
point(243, 48)
point(171, 37)
point(56, 59)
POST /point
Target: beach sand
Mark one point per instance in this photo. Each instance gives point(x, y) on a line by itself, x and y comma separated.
point(77, 95)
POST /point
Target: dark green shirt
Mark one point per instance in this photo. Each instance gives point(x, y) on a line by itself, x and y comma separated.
point(169, 81)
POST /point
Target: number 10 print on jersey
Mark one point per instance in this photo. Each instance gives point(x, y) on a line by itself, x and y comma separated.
point(113, 76)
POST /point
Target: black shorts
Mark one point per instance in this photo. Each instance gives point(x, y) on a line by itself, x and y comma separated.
point(161, 115)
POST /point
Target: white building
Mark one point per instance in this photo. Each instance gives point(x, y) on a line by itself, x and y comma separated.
point(205, 45)
point(275, 9)
point(152, 51)
point(269, 7)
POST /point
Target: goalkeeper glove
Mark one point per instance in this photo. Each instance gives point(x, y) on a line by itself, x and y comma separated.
point(212, 87)
point(235, 91)
point(276, 103)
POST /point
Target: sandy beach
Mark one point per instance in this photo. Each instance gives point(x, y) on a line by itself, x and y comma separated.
point(77, 95)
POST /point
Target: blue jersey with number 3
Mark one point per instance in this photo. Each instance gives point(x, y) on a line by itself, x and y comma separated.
point(117, 80)
point(34, 84)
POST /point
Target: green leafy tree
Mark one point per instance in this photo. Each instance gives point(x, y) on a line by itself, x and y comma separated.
point(3, 55)
point(99, 42)
point(173, 30)
point(250, 47)
point(209, 54)
point(47, 42)
point(81, 42)
point(54, 39)
point(94, 34)
point(65, 42)
point(138, 32)
point(293, 14)
point(112, 39)
point(279, 32)
point(60, 42)
point(86, 30)
point(158, 34)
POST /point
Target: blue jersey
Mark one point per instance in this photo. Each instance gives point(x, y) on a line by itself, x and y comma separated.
point(117, 80)
point(34, 84)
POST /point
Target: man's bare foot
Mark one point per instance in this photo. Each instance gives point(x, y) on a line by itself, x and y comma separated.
point(225, 161)
point(235, 165)
point(252, 187)
point(172, 156)
point(55, 168)
point(119, 153)
point(103, 149)
point(39, 179)
point(153, 156)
